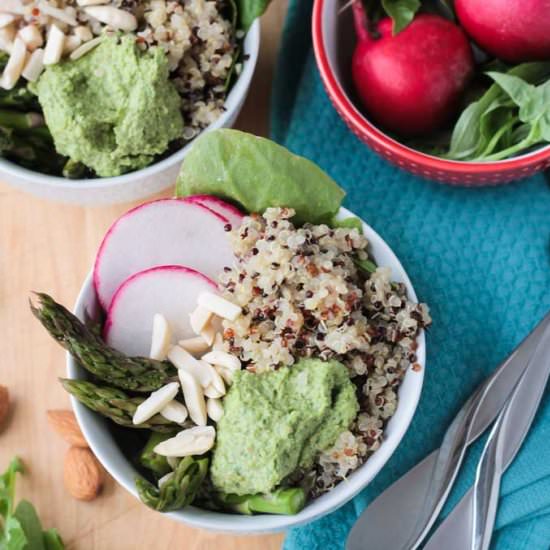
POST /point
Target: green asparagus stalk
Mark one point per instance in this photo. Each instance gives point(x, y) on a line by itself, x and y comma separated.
point(74, 169)
point(151, 460)
point(114, 404)
point(281, 501)
point(20, 121)
point(139, 374)
point(178, 491)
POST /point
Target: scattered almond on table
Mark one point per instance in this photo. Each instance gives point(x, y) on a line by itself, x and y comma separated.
point(83, 475)
point(64, 424)
point(4, 404)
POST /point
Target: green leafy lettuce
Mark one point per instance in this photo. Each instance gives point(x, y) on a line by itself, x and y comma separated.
point(257, 174)
point(20, 527)
point(249, 10)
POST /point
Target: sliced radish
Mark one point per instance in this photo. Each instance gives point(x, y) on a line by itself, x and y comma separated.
point(162, 232)
point(170, 291)
point(227, 210)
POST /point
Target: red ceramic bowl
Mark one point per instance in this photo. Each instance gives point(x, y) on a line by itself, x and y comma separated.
point(333, 42)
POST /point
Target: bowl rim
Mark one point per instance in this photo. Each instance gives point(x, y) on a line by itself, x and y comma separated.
point(233, 102)
point(361, 125)
point(343, 493)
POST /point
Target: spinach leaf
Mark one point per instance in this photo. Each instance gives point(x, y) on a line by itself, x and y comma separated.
point(249, 10)
point(28, 519)
point(469, 139)
point(402, 12)
point(257, 174)
point(14, 537)
point(348, 223)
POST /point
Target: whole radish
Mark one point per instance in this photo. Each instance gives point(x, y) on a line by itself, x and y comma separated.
point(411, 83)
point(513, 30)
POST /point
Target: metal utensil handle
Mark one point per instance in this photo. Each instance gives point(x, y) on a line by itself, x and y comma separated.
point(499, 450)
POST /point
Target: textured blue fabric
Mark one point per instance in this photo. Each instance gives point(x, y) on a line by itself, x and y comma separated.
point(479, 257)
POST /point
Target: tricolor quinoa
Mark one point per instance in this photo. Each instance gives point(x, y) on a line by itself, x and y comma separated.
point(303, 295)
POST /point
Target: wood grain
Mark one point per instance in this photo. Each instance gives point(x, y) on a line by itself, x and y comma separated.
point(50, 247)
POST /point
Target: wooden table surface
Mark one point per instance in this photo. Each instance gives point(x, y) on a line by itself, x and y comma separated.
point(50, 247)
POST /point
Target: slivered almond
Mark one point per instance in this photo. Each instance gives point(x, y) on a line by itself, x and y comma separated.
point(212, 392)
point(34, 66)
point(220, 306)
point(214, 408)
point(62, 15)
point(31, 35)
point(183, 360)
point(194, 441)
point(115, 18)
point(216, 380)
point(15, 65)
point(226, 374)
point(155, 403)
point(217, 344)
point(161, 337)
point(7, 36)
point(13, 6)
point(222, 359)
point(199, 318)
point(6, 19)
point(194, 398)
point(64, 424)
point(85, 48)
point(194, 345)
point(175, 412)
point(83, 32)
point(54, 46)
point(85, 3)
point(208, 333)
point(172, 462)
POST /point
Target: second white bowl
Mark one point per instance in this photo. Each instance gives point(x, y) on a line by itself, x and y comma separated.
point(105, 447)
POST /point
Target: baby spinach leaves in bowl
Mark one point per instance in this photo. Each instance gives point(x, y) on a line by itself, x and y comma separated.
point(511, 117)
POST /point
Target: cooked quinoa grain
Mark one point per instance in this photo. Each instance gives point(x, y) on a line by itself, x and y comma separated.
point(303, 295)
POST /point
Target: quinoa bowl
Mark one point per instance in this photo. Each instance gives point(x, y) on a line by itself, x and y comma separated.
point(116, 462)
point(211, 94)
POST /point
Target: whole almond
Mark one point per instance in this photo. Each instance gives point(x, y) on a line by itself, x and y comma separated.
point(64, 423)
point(83, 475)
point(4, 404)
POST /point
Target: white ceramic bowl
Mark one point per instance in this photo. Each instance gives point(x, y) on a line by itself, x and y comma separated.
point(105, 448)
point(141, 183)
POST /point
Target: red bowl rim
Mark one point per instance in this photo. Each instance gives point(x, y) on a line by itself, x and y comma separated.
point(363, 126)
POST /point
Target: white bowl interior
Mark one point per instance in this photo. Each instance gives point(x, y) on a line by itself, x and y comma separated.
point(141, 183)
point(339, 41)
point(105, 447)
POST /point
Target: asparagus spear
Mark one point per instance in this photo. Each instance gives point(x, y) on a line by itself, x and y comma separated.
point(139, 374)
point(151, 460)
point(114, 404)
point(281, 501)
point(74, 169)
point(177, 492)
point(20, 121)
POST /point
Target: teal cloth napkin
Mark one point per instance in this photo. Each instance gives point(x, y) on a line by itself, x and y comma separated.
point(479, 257)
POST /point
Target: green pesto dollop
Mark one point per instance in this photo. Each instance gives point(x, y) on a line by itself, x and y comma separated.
point(113, 109)
point(278, 421)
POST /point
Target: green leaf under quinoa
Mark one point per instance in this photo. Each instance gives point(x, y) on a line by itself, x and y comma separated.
point(249, 10)
point(366, 265)
point(258, 174)
point(349, 223)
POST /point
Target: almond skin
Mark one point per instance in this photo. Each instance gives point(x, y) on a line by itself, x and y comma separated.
point(83, 475)
point(64, 423)
point(4, 404)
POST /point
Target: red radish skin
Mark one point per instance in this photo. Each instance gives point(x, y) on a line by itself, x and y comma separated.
point(219, 206)
point(161, 232)
point(411, 83)
point(171, 290)
point(512, 30)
